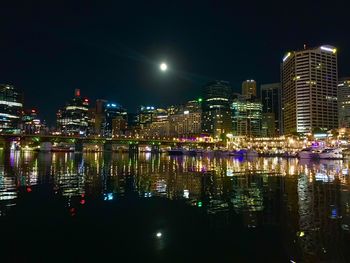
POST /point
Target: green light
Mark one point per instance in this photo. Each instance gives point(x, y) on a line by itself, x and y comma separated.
point(199, 204)
point(200, 99)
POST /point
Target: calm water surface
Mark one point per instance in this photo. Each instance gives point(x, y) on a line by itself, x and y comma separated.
point(286, 209)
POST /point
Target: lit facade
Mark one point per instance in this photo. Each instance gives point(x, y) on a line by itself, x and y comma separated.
point(31, 124)
point(270, 95)
point(115, 119)
point(145, 116)
point(216, 120)
point(249, 88)
point(73, 118)
point(188, 120)
point(344, 103)
point(11, 107)
point(246, 117)
point(309, 90)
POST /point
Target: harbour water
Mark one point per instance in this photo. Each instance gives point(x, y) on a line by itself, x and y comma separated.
point(180, 208)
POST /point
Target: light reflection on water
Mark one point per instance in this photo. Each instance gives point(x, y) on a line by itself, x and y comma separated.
point(308, 200)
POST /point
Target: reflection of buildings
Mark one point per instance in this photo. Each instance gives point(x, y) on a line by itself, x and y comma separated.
point(294, 196)
point(247, 197)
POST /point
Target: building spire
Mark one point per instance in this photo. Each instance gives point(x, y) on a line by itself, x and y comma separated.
point(77, 92)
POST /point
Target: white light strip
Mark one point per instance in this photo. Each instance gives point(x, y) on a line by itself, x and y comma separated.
point(76, 108)
point(333, 50)
point(286, 56)
point(10, 103)
point(8, 115)
point(217, 99)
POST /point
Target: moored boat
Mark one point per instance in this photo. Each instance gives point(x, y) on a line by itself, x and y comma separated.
point(331, 153)
point(308, 153)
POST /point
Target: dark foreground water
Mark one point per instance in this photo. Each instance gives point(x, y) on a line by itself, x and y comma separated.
point(156, 208)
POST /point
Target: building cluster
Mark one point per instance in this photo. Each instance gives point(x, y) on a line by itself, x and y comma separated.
point(308, 98)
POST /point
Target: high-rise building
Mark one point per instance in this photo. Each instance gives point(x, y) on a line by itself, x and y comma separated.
point(31, 123)
point(11, 107)
point(344, 102)
point(73, 118)
point(309, 90)
point(187, 121)
point(270, 95)
point(249, 88)
point(216, 119)
point(99, 116)
point(115, 119)
point(246, 116)
point(159, 127)
point(145, 115)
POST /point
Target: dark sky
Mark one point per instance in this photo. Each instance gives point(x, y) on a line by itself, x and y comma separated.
point(111, 49)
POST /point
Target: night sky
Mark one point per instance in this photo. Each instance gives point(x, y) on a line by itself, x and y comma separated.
point(112, 50)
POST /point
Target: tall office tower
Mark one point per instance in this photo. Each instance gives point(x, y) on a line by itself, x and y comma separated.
point(159, 127)
point(344, 102)
point(116, 119)
point(309, 90)
point(249, 88)
point(31, 123)
point(11, 108)
point(99, 116)
point(246, 115)
point(217, 119)
point(188, 120)
point(270, 95)
point(73, 119)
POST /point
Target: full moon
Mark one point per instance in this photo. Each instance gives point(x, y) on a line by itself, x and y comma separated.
point(163, 67)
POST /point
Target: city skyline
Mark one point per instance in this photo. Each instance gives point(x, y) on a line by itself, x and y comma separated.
point(58, 48)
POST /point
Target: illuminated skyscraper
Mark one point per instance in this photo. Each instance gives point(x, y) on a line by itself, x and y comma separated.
point(188, 119)
point(73, 118)
point(31, 123)
point(11, 108)
point(309, 90)
point(216, 119)
point(344, 102)
point(246, 115)
point(249, 88)
point(270, 95)
point(115, 122)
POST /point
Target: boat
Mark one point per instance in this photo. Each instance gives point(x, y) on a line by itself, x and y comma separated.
point(290, 155)
point(308, 153)
point(331, 153)
point(62, 147)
